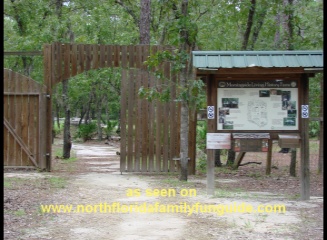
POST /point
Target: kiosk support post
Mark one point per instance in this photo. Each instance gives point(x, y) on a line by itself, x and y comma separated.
point(305, 171)
point(211, 128)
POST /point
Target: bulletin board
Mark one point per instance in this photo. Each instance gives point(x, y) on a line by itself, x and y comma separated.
point(257, 105)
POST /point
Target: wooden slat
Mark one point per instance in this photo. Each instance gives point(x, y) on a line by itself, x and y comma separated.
point(102, 56)
point(95, 54)
point(43, 136)
point(124, 55)
point(5, 115)
point(151, 129)
point(144, 122)
point(131, 50)
point(24, 120)
point(66, 54)
point(81, 58)
point(138, 121)
point(88, 57)
point(130, 113)
point(58, 62)
point(17, 125)
point(123, 112)
point(109, 56)
point(173, 135)
point(166, 125)
point(158, 134)
point(73, 58)
point(117, 57)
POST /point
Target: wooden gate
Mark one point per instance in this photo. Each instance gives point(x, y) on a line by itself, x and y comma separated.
point(150, 131)
point(24, 121)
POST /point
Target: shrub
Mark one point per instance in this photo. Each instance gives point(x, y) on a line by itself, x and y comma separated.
point(110, 128)
point(85, 131)
point(314, 128)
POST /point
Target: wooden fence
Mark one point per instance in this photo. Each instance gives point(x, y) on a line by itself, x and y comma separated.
point(24, 121)
point(149, 130)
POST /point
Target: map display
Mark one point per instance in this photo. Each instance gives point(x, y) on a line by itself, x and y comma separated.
point(257, 105)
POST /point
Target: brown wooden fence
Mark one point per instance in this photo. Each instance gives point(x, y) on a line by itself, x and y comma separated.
point(149, 130)
point(24, 121)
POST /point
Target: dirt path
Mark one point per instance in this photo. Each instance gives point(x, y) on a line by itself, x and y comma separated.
point(95, 179)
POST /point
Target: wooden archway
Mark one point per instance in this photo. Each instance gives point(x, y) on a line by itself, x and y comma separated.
point(63, 61)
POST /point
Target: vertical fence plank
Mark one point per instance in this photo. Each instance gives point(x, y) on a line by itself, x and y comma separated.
point(95, 54)
point(32, 128)
point(131, 50)
point(17, 128)
point(58, 63)
point(138, 121)
point(73, 58)
point(151, 138)
point(172, 128)
point(11, 117)
point(81, 58)
point(166, 123)
point(5, 115)
point(88, 57)
point(144, 122)
point(42, 134)
point(123, 113)
point(130, 114)
point(109, 55)
point(124, 63)
point(66, 52)
point(24, 120)
point(102, 56)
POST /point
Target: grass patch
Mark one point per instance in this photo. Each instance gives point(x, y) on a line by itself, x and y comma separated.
point(13, 182)
point(58, 182)
point(20, 213)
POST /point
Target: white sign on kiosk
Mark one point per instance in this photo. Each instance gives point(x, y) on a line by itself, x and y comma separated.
point(257, 105)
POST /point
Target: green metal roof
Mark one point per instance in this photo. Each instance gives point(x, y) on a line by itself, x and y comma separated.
point(268, 59)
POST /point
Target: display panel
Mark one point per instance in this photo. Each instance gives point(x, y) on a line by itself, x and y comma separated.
point(257, 105)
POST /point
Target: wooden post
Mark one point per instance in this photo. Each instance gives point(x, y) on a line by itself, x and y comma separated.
point(305, 171)
point(321, 134)
point(293, 162)
point(47, 53)
point(211, 128)
point(269, 154)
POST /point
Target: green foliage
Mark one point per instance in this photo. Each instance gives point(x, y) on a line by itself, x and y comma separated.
point(201, 134)
point(57, 130)
point(314, 129)
point(86, 131)
point(201, 165)
point(111, 125)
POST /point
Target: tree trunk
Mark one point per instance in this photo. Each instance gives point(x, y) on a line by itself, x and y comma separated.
point(99, 120)
point(184, 76)
point(293, 162)
point(249, 24)
point(145, 22)
point(217, 158)
point(67, 144)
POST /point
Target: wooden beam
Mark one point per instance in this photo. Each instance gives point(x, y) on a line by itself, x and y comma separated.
point(305, 162)
point(211, 101)
point(30, 53)
point(269, 155)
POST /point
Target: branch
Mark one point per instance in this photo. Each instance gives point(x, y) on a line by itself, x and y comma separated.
point(129, 11)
